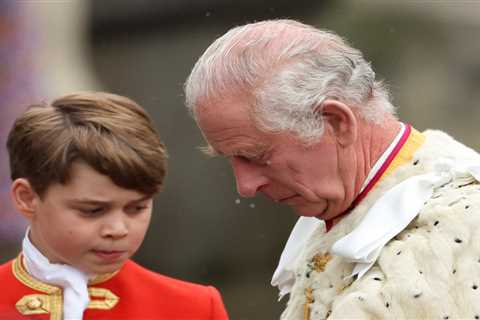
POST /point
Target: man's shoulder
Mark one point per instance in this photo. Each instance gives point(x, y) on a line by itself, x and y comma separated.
point(441, 144)
point(458, 201)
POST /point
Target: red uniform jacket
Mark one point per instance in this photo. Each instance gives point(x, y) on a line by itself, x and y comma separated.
point(132, 293)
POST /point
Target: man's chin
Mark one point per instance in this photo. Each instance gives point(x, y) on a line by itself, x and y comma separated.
point(308, 212)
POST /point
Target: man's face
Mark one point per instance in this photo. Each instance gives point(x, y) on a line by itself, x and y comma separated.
point(316, 180)
point(90, 223)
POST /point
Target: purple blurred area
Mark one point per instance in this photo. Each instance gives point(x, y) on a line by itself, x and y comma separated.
point(17, 89)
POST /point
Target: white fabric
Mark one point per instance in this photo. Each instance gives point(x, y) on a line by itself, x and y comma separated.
point(284, 276)
point(428, 271)
point(73, 281)
point(394, 211)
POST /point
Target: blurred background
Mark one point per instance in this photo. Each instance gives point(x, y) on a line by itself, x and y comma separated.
point(427, 51)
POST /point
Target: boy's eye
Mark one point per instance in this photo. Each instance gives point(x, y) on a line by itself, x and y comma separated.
point(136, 209)
point(92, 211)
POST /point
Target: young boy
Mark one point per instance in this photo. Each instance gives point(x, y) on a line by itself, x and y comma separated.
point(85, 169)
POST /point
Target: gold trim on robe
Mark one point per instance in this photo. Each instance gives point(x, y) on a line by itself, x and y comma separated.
point(51, 301)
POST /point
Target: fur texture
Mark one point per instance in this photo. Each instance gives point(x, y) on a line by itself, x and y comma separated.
point(431, 270)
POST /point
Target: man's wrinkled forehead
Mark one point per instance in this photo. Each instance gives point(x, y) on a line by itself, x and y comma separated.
point(224, 108)
point(228, 130)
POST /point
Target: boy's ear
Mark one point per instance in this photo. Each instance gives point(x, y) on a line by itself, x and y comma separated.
point(341, 119)
point(24, 197)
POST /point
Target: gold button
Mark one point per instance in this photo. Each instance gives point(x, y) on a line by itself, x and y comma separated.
point(34, 303)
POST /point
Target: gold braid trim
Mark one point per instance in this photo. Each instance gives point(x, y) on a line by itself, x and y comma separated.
point(33, 304)
point(306, 306)
point(320, 261)
point(102, 278)
point(52, 302)
point(24, 277)
point(109, 299)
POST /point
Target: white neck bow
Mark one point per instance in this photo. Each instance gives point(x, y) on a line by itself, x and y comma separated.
point(284, 275)
point(73, 281)
point(384, 220)
point(395, 210)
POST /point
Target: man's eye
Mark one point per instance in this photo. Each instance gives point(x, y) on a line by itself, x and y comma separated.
point(258, 160)
point(244, 158)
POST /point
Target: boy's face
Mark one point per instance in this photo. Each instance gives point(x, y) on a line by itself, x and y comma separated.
point(90, 223)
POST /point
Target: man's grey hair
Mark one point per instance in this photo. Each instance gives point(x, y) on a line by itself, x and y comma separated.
point(284, 70)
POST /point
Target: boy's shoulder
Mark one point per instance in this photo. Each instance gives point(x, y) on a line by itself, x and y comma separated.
point(11, 291)
point(7, 277)
point(5, 267)
point(134, 275)
point(144, 293)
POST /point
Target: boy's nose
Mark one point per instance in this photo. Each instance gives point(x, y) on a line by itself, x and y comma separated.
point(115, 227)
point(248, 176)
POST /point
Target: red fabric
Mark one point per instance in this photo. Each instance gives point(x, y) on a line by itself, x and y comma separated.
point(143, 295)
point(13, 290)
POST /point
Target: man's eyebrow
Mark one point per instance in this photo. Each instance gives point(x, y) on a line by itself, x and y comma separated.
point(253, 152)
point(209, 151)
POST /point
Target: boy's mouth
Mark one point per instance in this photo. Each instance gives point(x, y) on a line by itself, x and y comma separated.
point(109, 255)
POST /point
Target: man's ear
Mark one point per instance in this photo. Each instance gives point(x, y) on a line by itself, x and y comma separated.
point(341, 119)
point(24, 197)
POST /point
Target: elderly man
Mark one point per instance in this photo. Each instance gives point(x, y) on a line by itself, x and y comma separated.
point(301, 118)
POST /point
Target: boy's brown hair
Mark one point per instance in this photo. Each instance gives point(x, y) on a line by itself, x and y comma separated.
point(111, 133)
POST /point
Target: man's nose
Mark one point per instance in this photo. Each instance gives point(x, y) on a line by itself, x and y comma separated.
point(115, 225)
point(249, 177)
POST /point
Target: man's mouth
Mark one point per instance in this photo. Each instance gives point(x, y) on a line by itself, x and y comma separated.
point(286, 199)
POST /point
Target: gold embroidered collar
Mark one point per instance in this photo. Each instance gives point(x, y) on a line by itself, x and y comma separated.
point(51, 301)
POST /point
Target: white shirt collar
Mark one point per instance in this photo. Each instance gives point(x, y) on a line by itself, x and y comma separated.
point(73, 281)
